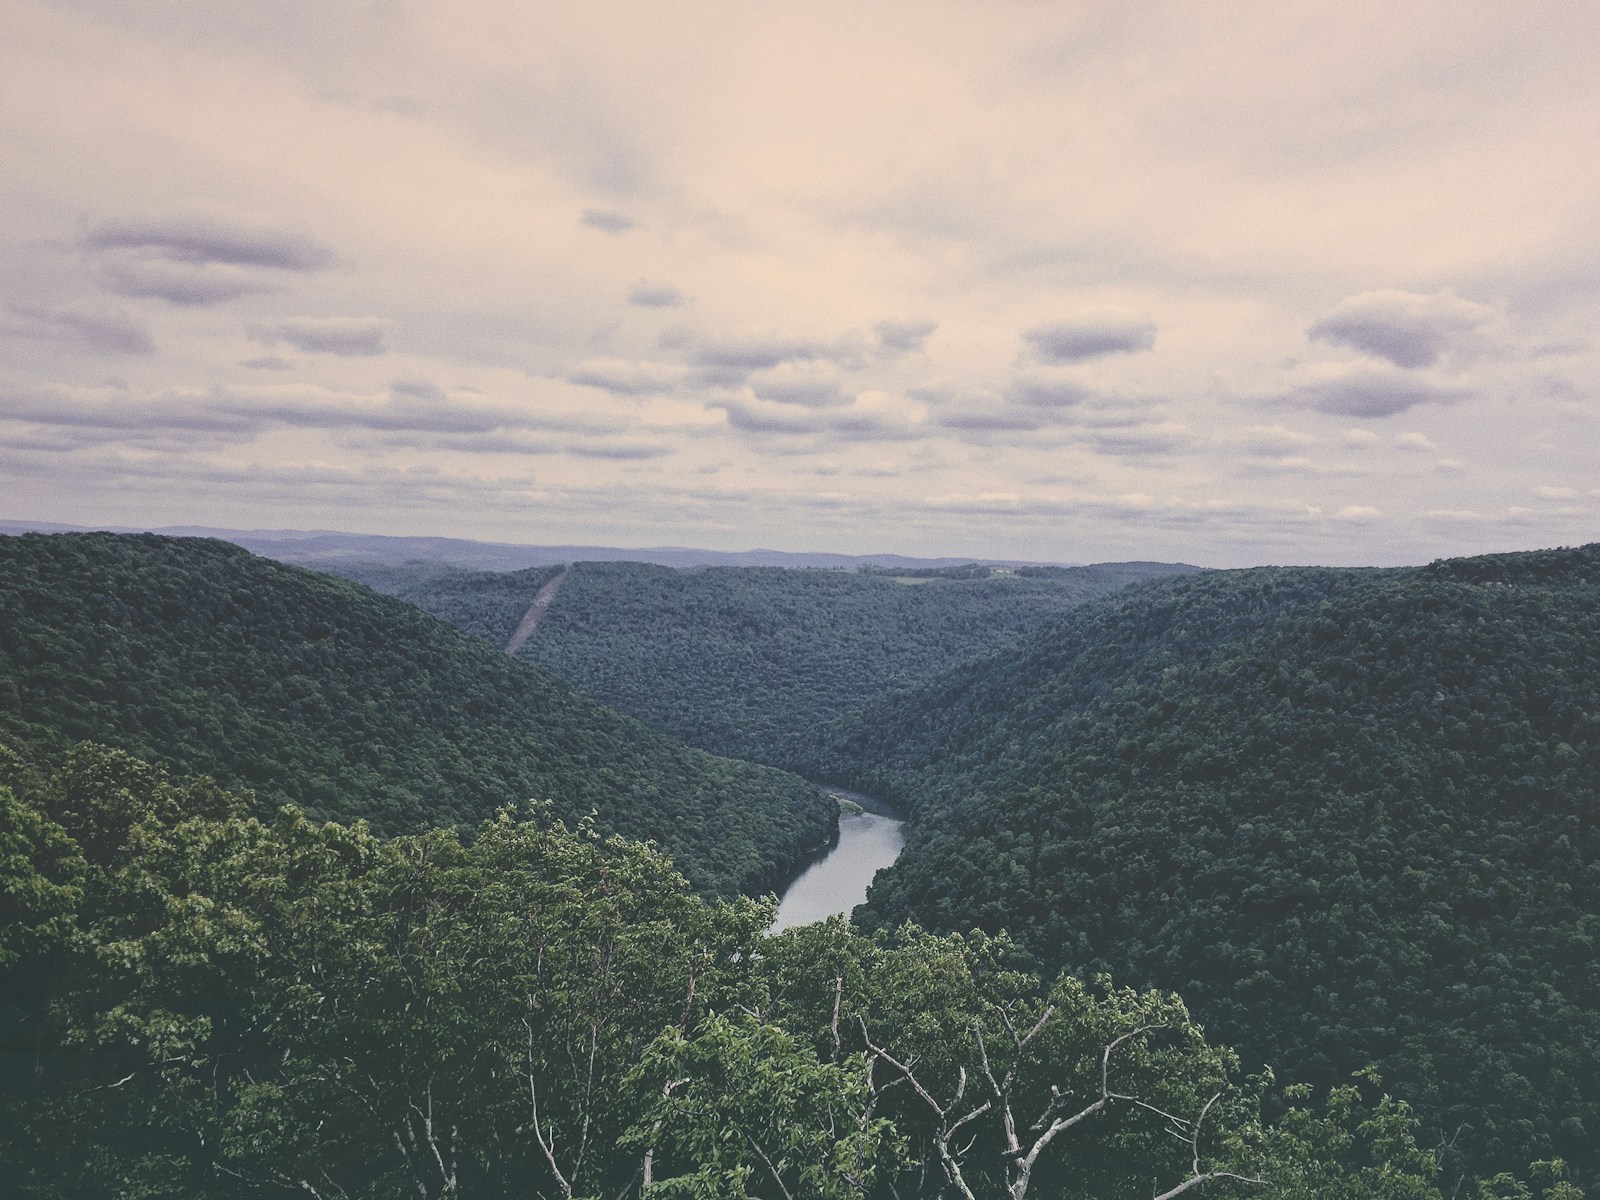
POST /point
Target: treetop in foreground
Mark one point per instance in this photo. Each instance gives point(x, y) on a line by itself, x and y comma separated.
point(201, 1002)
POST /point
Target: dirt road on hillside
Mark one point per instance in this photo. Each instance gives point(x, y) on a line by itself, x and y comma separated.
point(536, 610)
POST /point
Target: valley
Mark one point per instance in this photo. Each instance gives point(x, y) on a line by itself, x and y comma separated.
point(1349, 816)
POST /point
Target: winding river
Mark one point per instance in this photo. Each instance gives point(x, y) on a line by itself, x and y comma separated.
point(837, 881)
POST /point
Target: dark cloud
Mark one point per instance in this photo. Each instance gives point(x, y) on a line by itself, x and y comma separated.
point(335, 412)
point(904, 337)
point(411, 388)
point(1046, 391)
point(727, 362)
point(197, 259)
point(1143, 441)
point(851, 424)
point(495, 442)
point(98, 333)
point(267, 362)
point(998, 418)
point(1371, 392)
point(351, 337)
point(607, 220)
point(415, 407)
point(656, 295)
point(755, 354)
point(200, 240)
point(1409, 329)
point(1075, 341)
point(181, 283)
point(56, 406)
point(857, 424)
point(501, 441)
point(622, 451)
point(632, 380)
point(808, 391)
point(759, 418)
point(954, 406)
point(726, 379)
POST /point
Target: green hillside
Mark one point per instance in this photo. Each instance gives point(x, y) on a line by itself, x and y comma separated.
point(1350, 815)
point(741, 660)
point(309, 689)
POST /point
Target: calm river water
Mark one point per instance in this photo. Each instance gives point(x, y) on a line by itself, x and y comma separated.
point(837, 882)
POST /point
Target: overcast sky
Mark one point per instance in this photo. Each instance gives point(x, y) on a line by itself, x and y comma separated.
point(1230, 283)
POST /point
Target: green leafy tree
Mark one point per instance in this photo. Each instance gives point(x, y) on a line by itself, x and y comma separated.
point(741, 1108)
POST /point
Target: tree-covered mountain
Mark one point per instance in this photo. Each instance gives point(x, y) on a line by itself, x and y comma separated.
point(1349, 815)
point(742, 660)
point(199, 1003)
point(312, 690)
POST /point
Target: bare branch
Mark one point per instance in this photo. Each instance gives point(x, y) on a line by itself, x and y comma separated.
point(538, 1130)
point(905, 1071)
point(1197, 1176)
point(838, 997)
point(1196, 1180)
point(771, 1170)
point(948, 1159)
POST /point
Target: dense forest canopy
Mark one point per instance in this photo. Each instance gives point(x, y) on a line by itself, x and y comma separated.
point(741, 660)
point(308, 689)
point(1349, 815)
point(199, 1002)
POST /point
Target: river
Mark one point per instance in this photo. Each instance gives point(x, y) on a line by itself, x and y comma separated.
point(837, 881)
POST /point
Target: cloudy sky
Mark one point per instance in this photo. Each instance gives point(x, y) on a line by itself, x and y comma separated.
point(1224, 282)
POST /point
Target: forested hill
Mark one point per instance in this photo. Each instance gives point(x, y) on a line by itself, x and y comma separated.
point(309, 689)
point(1350, 815)
point(741, 660)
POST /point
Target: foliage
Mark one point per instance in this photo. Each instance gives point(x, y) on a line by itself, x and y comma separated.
point(223, 1006)
point(1350, 816)
point(740, 1107)
point(309, 690)
point(742, 660)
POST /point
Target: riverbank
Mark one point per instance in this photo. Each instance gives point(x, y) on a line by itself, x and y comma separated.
point(835, 880)
point(871, 804)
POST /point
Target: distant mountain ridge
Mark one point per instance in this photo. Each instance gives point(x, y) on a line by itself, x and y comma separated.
point(318, 546)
